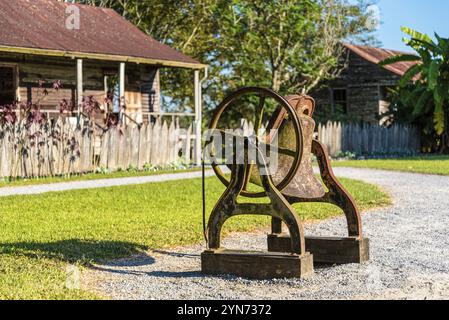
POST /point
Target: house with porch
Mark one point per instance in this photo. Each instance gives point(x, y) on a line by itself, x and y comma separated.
point(94, 52)
point(361, 90)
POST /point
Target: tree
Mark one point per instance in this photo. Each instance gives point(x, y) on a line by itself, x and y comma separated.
point(287, 45)
point(429, 93)
point(189, 26)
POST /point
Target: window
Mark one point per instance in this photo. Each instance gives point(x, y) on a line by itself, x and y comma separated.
point(340, 102)
point(8, 86)
point(385, 93)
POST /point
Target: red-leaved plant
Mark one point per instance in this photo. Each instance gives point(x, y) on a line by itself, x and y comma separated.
point(29, 131)
point(33, 135)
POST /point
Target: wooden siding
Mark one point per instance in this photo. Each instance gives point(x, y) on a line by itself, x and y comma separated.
point(361, 72)
point(362, 80)
point(142, 82)
point(150, 90)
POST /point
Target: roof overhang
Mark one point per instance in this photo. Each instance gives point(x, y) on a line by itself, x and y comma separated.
point(378, 54)
point(100, 56)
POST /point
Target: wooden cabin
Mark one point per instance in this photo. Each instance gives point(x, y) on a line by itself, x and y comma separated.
point(93, 51)
point(361, 90)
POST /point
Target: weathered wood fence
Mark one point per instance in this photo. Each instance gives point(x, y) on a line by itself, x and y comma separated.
point(369, 140)
point(62, 148)
point(363, 140)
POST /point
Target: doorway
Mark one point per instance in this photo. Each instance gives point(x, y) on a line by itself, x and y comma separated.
point(7, 85)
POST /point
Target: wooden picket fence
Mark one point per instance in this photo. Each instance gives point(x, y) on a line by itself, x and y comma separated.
point(369, 140)
point(60, 147)
point(363, 140)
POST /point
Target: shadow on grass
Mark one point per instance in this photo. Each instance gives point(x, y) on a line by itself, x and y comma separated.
point(74, 250)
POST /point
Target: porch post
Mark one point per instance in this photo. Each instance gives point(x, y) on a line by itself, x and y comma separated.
point(79, 84)
point(122, 87)
point(198, 117)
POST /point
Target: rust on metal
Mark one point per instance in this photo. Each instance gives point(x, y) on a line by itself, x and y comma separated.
point(304, 184)
point(217, 260)
point(297, 135)
point(304, 187)
point(293, 182)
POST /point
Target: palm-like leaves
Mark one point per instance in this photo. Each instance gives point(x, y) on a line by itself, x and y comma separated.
point(417, 35)
point(400, 58)
point(410, 74)
point(433, 85)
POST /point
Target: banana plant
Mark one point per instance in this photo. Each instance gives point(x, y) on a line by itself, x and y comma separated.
point(429, 78)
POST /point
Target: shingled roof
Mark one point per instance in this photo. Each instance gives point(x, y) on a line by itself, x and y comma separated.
point(376, 55)
point(39, 27)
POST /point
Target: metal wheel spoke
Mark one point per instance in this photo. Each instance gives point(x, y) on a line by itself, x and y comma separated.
point(259, 114)
point(260, 110)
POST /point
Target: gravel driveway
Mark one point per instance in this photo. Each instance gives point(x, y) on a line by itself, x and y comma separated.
point(409, 255)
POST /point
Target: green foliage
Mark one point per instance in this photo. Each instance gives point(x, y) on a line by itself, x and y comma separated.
point(410, 74)
point(411, 104)
point(347, 155)
point(132, 169)
point(427, 99)
point(399, 58)
point(337, 114)
point(417, 36)
point(287, 45)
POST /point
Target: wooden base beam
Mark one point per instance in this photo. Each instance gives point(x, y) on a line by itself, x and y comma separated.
point(326, 250)
point(256, 265)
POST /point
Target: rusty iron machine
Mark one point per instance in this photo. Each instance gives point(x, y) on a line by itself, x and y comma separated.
point(289, 133)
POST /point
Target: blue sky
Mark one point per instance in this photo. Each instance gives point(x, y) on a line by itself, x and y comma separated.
point(422, 15)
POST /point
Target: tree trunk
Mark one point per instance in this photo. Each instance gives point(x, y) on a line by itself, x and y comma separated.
point(445, 136)
point(276, 80)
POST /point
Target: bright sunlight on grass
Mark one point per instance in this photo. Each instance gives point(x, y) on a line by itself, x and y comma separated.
point(427, 164)
point(42, 234)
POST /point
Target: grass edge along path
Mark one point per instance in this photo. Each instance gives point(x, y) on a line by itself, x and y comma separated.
point(437, 164)
point(5, 183)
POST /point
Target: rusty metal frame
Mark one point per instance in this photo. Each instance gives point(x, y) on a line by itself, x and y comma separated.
point(278, 208)
point(286, 109)
point(336, 195)
point(342, 250)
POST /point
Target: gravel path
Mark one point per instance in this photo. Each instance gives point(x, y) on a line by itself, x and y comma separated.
point(93, 184)
point(409, 255)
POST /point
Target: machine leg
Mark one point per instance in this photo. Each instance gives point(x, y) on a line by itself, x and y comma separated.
point(354, 248)
point(257, 265)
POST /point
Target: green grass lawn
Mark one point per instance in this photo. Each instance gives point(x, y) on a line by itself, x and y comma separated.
point(88, 176)
point(426, 164)
point(43, 234)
